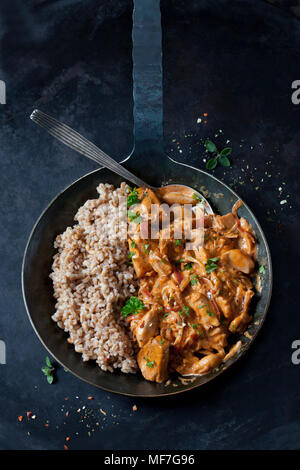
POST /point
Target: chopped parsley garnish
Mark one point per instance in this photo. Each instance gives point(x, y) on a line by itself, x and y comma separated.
point(178, 242)
point(132, 306)
point(134, 217)
point(262, 269)
point(233, 327)
point(199, 333)
point(133, 244)
point(198, 198)
point(163, 261)
point(211, 265)
point(194, 279)
point(165, 315)
point(133, 198)
point(186, 310)
point(146, 248)
point(188, 266)
point(202, 306)
point(162, 341)
point(149, 363)
point(130, 255)
point(210, 314)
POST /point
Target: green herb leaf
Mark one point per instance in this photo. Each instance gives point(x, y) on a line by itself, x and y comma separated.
point(186, 311)
point(222, 156)
point(48, 362)
point(165, 315)
point(162, 341)
point(130, 255)
point(50, 379)
point(148, 362)
point(224, 160)
point(134, 217)
point(210, 146)
point(132, 306)
point(194, 279)
point(178, 242)
point(225, 152)
point(211, 164)
point(133, 244)
point(211, 265)
point(210, 268)
point(210, 314)
point(46, 370)
point(188, 266)
point(132, 198)
point(146, 248)
point(262, 269)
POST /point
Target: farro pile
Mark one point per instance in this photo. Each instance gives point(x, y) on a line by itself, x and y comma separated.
point(92, 280)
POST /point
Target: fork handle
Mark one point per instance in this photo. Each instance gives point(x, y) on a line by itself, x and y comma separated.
point(77, 142)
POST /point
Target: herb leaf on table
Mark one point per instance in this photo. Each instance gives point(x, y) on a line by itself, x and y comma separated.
point(221, 157)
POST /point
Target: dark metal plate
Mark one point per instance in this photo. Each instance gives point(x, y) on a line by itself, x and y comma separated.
point(38, 291)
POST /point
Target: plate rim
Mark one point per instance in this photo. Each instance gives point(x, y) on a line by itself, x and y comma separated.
point(190, 387)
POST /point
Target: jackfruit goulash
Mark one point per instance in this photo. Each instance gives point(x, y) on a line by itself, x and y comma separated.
point(192, 299)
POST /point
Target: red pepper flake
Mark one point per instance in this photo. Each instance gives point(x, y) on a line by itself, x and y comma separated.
point(67, 414)
point(20, 418)
point(46, 425)
point(66, 447)
point(205, 114)
point(90, 398)
point(134, 408)
point(67, 398)
point(67, 438)
point(29, 414)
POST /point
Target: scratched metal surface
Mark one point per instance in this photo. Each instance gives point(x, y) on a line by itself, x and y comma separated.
point(232, 62)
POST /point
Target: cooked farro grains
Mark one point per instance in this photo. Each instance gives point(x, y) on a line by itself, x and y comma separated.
point(92, 279)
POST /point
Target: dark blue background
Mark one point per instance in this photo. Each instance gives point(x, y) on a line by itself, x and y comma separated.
point(234, 61)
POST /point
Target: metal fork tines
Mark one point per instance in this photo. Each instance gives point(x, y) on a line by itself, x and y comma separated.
point(77, 142)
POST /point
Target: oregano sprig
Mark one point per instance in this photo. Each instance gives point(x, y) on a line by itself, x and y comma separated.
point(48, 371)
point(221, 157)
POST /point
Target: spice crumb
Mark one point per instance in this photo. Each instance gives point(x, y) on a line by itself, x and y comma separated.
point(134, 408)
